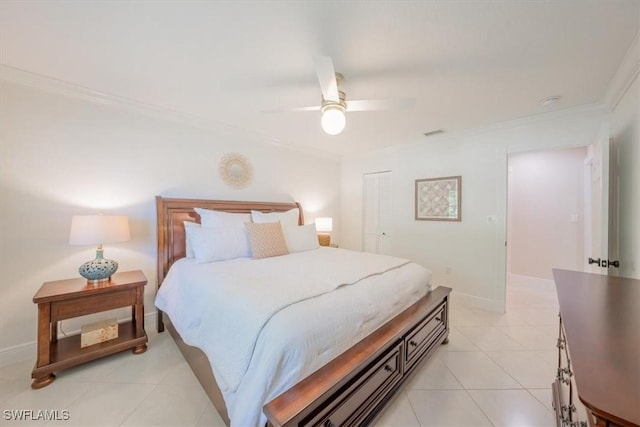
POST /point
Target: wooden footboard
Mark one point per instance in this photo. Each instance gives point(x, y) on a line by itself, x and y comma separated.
point(354, 387)
point(201, 367)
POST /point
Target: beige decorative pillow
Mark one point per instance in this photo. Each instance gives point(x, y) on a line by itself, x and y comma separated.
point(266, 239)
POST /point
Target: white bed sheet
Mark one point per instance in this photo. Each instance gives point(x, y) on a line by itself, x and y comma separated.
point(299, 338)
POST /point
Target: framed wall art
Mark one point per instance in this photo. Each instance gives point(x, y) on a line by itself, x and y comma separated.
point(439, 199)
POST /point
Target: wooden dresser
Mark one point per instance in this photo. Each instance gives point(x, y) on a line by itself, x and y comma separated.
point(598, 350)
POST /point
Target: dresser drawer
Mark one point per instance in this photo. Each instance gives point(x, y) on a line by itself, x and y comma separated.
point(350, 406)
point(566, 404)
point(422, 336)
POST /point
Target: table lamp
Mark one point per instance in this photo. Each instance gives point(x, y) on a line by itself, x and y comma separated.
point(324, 226)
point(96, 230)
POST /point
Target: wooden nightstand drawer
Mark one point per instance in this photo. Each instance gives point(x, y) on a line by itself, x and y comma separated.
point(93, 304)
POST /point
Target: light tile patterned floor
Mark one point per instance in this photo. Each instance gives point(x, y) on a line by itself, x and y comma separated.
point(496, 370)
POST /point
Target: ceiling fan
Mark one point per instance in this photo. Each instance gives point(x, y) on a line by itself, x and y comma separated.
point(334, 102)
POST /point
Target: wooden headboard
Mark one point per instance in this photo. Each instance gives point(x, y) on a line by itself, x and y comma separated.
point(173, 212)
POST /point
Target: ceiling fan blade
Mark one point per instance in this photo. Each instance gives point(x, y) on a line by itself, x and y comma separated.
point(326, 77)
point(381, 104)
point(313, 108)
point(296, 109)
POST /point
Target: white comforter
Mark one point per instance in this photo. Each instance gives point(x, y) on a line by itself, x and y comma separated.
point(266, 324)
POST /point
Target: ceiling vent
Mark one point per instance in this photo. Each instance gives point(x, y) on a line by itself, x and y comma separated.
point(549, 100)
point(434, 132)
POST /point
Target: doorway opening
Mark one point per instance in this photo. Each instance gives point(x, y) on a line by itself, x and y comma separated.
point(546, 219)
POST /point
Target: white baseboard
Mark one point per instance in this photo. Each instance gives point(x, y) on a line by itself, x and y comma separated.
point(18, 353)
point(28, 351)
point(478, 302)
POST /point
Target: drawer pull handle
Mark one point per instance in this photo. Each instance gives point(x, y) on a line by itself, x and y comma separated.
point(437, 319)
point(413, 343)
point(388, 368)
point(561, 375)
point(328, 423)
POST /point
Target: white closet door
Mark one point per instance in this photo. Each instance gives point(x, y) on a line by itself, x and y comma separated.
point(377, 212)
point(370, 213)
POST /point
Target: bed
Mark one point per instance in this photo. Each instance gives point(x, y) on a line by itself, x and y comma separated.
point(347, 388)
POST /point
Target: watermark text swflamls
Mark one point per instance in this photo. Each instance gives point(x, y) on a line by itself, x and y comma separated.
point(36, 415)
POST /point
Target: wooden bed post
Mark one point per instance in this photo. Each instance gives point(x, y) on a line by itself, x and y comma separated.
point(161, 247)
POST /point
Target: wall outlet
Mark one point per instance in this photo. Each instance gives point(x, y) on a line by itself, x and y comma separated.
point(447, 270)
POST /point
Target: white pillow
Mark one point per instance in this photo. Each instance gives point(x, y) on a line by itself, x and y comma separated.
point(209, 218)
point(188, 226)
point(219, 244)
point(287, 219)
point(301, 238)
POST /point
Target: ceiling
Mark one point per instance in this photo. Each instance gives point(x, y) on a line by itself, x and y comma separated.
point(466, 63)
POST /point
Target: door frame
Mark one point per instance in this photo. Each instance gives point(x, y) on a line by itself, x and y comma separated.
point(588, 218)
point(604, 130)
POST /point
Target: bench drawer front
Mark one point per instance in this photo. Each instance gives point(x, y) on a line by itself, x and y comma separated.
point(418, 340)
point(350, 406)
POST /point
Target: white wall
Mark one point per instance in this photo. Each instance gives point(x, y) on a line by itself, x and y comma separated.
point(625, 129)
point(546, 211)
point(623, 98)
point(473, 249)
point(62, 156)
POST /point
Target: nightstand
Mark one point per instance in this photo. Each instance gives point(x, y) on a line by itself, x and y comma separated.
point(65, 299)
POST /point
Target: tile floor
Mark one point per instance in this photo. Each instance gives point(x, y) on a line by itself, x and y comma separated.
point(496, 371)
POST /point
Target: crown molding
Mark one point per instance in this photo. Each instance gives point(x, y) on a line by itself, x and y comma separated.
point(625, 75)
point(457, 135)
point(60, 87)
point(591, 108)
point(50, 84)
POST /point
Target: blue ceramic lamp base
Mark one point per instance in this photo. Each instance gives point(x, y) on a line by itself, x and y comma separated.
point(99, 269)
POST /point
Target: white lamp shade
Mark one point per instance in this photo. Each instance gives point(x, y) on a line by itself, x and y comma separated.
point(324, 225)
point(97, 229)
point(333, 121)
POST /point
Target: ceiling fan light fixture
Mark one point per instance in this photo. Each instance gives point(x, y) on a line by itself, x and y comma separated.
point(333, 119)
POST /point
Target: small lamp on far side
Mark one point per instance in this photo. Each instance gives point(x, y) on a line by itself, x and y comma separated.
point(324, 226)
point(97, 230)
